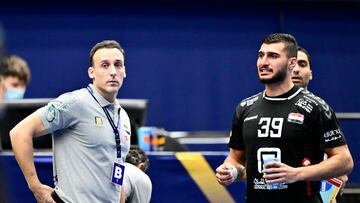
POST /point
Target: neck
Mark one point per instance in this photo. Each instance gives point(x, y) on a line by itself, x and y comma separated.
point(110, 97)
point(276, 89)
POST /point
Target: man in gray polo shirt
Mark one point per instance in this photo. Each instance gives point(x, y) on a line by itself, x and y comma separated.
point(91, 135)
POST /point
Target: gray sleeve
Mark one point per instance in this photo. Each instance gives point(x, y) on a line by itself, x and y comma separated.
point(142, 190)
point(59, 113)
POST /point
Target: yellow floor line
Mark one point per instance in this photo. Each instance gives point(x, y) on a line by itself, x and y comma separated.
point(203, 175)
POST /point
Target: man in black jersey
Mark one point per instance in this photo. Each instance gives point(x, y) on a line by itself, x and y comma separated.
point(301, 76)
point(279, 136)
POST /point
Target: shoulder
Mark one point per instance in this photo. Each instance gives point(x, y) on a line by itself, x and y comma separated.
point(123, 113)
point(69, 103)
point(135, 174)
point(310, 102)
point(70, 99)
point(248, 102)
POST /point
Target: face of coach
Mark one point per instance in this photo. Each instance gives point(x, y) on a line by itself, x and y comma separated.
point(107, 71)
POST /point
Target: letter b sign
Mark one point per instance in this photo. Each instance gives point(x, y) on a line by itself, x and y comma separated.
point(118, 174)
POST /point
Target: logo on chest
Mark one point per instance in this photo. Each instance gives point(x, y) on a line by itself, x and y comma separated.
point(98, 121)
point(296, 118)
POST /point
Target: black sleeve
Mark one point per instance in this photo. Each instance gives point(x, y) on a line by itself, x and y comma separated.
point(236, 139)
point(330, 134)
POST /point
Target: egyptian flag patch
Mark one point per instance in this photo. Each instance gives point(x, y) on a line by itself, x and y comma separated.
point(296, 118)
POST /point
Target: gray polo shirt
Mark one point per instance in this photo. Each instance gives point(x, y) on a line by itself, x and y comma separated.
point(137, 185)
point(84, 145)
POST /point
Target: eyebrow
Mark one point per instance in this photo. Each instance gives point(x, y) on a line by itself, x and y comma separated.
point(302, 60)
point(106, 60)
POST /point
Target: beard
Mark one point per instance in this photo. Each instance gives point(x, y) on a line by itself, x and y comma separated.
point(277, 77)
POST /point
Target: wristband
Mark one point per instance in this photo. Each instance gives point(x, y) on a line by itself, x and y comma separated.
point(233, 172)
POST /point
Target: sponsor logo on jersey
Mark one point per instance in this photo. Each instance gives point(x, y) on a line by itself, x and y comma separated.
point(332, 135)
point(260, 184)
point(51, 113)
point(243, 103)
point(250, 118)
point(249, 102)
point(128, 132)
point(302, 103)
point(320, 101)
point(306, 162)
point(98, 121)
point(296, 118)
point(66, 102)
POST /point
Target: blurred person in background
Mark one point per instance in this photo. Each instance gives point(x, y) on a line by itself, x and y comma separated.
point(301, 76)
point(302, 72)
point(2, 45)
point(137, 184)
point(16, 77)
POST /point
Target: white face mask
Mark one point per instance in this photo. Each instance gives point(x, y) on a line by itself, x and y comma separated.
point(12, 93)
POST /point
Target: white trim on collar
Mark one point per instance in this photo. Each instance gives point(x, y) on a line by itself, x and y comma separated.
point(282, 99)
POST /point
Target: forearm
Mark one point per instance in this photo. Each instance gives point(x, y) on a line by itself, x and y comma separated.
point(337, 165)
point(122, 194)
point(22, 145)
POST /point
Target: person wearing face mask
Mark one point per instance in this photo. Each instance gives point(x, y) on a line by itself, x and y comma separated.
point(16, 77)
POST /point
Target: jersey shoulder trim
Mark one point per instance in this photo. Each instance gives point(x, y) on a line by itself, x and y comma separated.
point(315, 102)
point(250, 100)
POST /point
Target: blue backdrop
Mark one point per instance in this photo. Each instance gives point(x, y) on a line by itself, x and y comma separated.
point(193, 61)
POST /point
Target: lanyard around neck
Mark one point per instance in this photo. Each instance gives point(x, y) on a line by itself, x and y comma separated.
point(111, 121)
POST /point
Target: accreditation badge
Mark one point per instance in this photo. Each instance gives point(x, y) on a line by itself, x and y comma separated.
point(117, 176)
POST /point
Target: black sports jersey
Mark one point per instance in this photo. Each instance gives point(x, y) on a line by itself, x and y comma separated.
point(294, 128)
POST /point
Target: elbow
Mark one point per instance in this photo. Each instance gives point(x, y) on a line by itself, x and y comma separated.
point(13, 135)
point(348, 163)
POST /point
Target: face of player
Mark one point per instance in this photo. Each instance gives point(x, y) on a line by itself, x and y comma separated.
point(14, 88)
point(302, 74)
point(273, 64)
point(107, 72)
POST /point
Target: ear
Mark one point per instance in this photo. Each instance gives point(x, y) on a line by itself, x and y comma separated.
point(91, 72)
point(311, 76)
point(292, 63)
point(141, 166)
point(124, 72)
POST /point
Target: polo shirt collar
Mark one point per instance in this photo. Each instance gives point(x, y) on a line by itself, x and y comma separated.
point(102, 101)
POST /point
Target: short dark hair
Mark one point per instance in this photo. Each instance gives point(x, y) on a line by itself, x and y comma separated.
point(17, 67)
point(287, 39)
point(108, 44)
point(137, 156)
point(307, 54)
